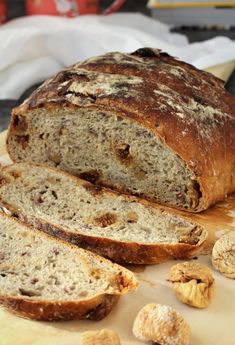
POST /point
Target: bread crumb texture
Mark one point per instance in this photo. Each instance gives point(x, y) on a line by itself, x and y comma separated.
point(39, 268)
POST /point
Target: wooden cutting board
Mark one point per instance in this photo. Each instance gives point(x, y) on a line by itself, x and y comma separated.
point(212, 326)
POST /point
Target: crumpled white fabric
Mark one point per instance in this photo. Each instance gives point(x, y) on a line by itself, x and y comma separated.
point(34, 48)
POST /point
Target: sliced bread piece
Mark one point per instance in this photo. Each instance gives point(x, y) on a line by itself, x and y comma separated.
point(122, 228)
point(142, 123)
point(44, 278)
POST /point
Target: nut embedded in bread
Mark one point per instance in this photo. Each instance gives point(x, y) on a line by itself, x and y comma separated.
point(141, 123)
point(162, 325)
point(43, 278)
point(119, 227)
point(193, 284)
point(223, 255)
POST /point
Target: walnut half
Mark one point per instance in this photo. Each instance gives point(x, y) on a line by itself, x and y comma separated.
point(162, 325)
point(193, 284)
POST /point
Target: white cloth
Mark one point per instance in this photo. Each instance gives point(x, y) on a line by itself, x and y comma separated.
point(34, 48)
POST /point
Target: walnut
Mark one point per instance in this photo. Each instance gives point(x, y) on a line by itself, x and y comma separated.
point(83, 294)
point(193, 284)
point(105, 219)
point(19, 123)
point(29, 292)
point(162, 325)
point(139, 173)
point(53, 156)
point(223, 255)
point(132, 217)
point(122, 152)
point(37, 199)
point(22, 140)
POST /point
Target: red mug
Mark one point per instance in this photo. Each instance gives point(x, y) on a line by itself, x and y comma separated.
point(68, 8)
point(3, 11)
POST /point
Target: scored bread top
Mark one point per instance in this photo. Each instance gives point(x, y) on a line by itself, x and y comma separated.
point(188, 109)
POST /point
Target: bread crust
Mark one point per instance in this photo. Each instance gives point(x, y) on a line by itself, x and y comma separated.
point(121, 252)
point(187, 109)
point(93, 309)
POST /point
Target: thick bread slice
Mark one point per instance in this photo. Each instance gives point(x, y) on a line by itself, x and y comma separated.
point(142, 123)
point(116, 226)
point(43, 278)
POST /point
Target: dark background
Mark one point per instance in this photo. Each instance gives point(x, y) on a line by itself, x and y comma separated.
point(16, 8)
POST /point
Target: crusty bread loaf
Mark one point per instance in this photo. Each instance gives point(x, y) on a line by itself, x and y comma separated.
point(141, 123)
point(44, 278)
point(119, 227)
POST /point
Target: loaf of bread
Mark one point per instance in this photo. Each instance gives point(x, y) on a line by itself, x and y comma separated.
point(43, 278)
point(119, 227)
point(141, 123)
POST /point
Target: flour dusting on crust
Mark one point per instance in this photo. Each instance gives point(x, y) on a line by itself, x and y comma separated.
point(190, 111)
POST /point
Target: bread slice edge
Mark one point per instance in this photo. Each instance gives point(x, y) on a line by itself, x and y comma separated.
point(95, 307)
point(118, 251)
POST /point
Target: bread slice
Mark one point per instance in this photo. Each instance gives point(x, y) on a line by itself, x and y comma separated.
point(119, 227)
point(142, 123)
point(44, 278)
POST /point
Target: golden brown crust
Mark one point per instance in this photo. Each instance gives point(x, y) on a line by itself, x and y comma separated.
point(188, 109)
point(121, 252)
point(94, 309)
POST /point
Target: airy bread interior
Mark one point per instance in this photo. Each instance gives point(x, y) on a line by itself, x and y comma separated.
point(38, 267)
point(106, 149)
point(80, 207)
